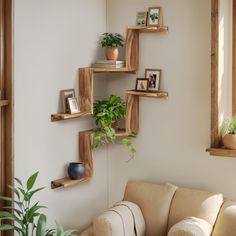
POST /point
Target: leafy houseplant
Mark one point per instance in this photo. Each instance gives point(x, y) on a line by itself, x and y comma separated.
point(112, 42)
point(26, 216)
point(106, 112)
point(229, 133)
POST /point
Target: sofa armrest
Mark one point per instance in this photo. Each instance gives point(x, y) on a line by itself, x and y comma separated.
point(87, 232)
point(125, 218)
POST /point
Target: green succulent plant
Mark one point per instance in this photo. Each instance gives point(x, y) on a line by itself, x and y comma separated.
point(25, 215)
point(106, 112)
point(112, 40)
point(229, 126)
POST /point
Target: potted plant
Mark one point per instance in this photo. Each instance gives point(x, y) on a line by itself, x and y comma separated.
point(112, 42)
point(229, 133)
point(106, 113)
point(25, 216)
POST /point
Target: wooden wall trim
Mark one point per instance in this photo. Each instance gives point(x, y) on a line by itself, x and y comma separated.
point(234, 61)
point(215, 135)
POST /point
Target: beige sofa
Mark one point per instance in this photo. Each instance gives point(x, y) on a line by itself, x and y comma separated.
point(160, 210)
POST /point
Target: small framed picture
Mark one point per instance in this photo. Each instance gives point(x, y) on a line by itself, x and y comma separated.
point(154, 76)
point(141, 84)
point(141, 18)
point(65, 94)
point(73, 105)
point(154, 14)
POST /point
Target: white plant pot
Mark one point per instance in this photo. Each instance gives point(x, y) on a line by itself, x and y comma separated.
point(229, 141)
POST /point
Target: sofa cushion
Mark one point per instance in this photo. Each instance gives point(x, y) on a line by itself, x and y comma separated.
point(226, 221)
point(191, 226)
point(154, 201)
point(194, 203)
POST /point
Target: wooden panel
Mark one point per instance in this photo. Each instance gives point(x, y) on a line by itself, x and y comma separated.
point(215, 134)
point(160, 94)
point(67, 182)
point(112, 70)
point(85, 151)
point(132, 50)
point(63, 116)
point(234, 61)
point(149, 29)
point(86, 90)
point(132, 113)
point(221, 152)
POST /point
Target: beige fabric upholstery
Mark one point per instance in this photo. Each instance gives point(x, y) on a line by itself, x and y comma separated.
point(194, 203)
point(124, 219)
point(226, 221)
point(191, 226)
point(154, 201)
point(88, 232)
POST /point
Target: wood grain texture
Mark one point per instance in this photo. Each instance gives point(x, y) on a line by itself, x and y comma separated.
point(159, 94)
point(132, 113)
point(223, 152)
point(215, 133)
point(67, 182)
point(65, 116)
point(132, 50)
point(149, 29)
point(86, 90)
point(234, 61)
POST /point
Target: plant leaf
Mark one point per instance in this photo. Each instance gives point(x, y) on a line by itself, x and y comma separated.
point(31, 181)
point(18, 181)
point(6, 227)
point(41, 225)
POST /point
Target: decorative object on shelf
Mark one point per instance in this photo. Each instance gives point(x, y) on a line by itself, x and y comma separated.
point(108, 64)
point(154, 76)
point(27, 218)
point(76, 170)
point(65, 94)
point(106, 113)
point(73, 105)
point(229, 133)
point(154, 15)
point(112, 42)
point(141, 18)
point(141, 84)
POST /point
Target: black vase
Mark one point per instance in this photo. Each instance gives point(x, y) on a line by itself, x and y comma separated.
point(76, 170)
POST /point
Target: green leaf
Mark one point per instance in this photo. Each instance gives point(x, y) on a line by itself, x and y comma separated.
point(31, 181)
point(133, 150)
point(8, 199)
point(35, 191)
point(18, 181)
point(41, 225)
point(6, 227)
point(15, 190)
point(19, 213)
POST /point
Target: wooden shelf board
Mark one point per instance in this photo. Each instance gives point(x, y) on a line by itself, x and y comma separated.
point(221, 152)
point(111, 70)
point(62, 116)
point(149, 29)
point(67, 182)
point(160, 94)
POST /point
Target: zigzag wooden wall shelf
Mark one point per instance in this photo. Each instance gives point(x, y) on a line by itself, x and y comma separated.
point(86, 76)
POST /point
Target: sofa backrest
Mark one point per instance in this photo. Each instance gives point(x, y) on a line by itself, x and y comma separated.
point(194, 203)
point(154, 201)
point(226, 221)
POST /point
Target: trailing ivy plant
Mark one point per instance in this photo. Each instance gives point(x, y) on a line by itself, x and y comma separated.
point(25, 215)
point(111, 40)
point(106, 112)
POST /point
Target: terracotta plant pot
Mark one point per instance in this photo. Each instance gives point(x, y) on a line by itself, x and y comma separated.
point(229, 141)
point(112, 53)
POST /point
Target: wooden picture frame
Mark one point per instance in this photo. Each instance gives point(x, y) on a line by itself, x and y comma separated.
point(65, 94)
point(154, 16)
point(73, 105)
point(154, 79)
point(141, 84)
point(141, 18)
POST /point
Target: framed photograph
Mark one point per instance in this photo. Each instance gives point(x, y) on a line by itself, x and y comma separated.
point(141, 18)
point(154, 76)
point(154, 14)
point(65, 94)
point(141, 84)
point(73, 105)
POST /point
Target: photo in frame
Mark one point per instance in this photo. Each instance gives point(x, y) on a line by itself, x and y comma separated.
point(141, 19)
point(73, 105)
point(154, 77)
point(154, 16)
point(141, 84)
point(65, 94)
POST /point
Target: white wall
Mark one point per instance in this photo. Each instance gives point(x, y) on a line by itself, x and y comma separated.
point(174, 133)
point(52, 40)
